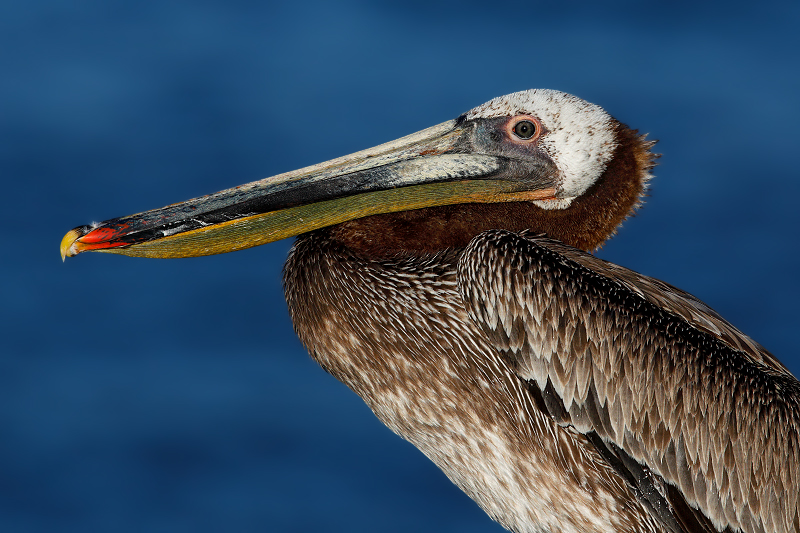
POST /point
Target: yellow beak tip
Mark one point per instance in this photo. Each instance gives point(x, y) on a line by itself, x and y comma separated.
point(69, 247)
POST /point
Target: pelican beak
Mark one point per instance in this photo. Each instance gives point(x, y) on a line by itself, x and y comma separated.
point(454, 162)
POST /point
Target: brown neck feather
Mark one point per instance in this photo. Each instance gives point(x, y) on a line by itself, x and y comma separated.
point(587, 223)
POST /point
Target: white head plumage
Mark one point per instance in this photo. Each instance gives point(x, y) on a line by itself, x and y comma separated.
point(580, 137)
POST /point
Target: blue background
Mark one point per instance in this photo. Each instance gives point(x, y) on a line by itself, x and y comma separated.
point(142, 395)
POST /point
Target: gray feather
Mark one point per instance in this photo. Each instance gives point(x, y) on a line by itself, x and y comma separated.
point(673, 385)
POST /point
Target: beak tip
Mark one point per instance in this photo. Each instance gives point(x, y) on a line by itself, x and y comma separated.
point(70, 245)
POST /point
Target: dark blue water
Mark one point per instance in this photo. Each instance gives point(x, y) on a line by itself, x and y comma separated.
point(142, 395)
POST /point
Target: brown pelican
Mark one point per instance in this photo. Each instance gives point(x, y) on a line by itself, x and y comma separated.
point(445, 278)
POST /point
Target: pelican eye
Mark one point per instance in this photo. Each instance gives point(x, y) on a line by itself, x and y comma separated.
point(524, 129)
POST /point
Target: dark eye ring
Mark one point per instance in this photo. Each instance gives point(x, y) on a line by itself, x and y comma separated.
point(525, 129)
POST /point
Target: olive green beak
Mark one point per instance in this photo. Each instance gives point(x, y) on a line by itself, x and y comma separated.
point(441, 165)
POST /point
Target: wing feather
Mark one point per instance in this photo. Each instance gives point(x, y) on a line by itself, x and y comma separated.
point(648, 368)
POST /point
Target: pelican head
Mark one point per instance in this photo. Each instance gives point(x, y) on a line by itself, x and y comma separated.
point(535, 152)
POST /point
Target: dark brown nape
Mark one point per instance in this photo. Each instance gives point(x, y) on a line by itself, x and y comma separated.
point(587, 223)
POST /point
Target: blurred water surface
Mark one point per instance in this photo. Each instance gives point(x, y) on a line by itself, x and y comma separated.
point(173, 396)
